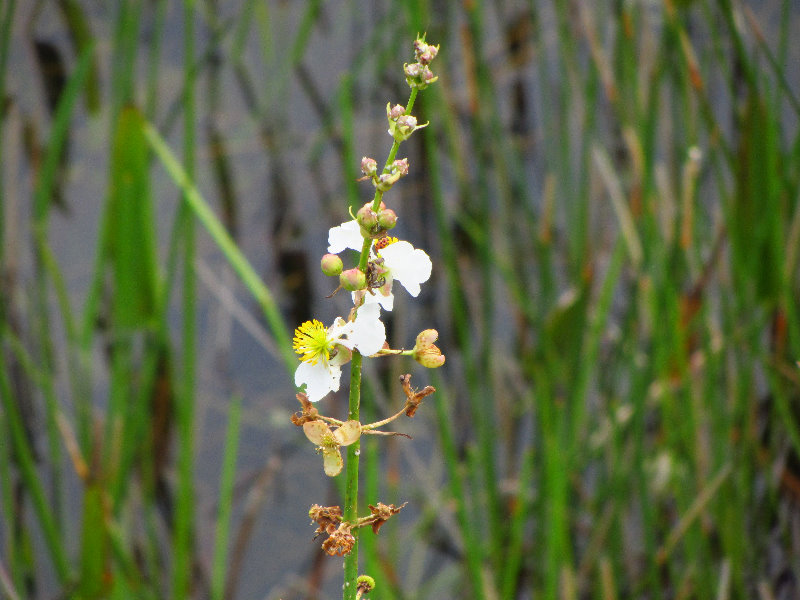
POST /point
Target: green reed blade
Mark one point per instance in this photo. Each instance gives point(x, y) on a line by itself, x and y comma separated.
point(226, 245)
point(81, 35)
point(132, 248)
point(33, 485)
point(60, 128)
point(225, 501)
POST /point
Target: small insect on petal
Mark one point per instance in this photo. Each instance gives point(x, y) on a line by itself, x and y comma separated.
point(315, 431)
point(332, 461)
point(348, 433)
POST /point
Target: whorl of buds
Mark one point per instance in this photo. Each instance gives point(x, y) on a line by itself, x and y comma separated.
point(401, 125)
point(331, 265)
point(353, 280)
point(419, 74)
point(395, 171)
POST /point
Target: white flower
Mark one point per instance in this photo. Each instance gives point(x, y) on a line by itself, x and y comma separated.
point(404, 263)
point(324, 351)
point(346, 235)
point(367, 333)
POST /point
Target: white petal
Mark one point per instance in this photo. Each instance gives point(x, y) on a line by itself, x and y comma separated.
point(339, 328)
point(408, 265)
point(346, 235)
point(320, 379)
point(368, 334)
point(382, 296)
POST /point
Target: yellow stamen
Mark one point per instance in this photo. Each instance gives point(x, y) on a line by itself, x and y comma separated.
point(311, 342)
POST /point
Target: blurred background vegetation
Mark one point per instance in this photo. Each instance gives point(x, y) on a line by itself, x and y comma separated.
point(609, 193)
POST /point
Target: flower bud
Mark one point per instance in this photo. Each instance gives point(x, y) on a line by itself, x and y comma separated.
point(419, 75)
point(425, 53)
point(401, 166)
point(369, 166)
point(394, 112)
point(430, 358)
point(367, 217)
point(402, 128)
point(412, 71)
point(331, 265)
point(365, 584)
point(427, 78)
point(387, 219)
point(353, 280)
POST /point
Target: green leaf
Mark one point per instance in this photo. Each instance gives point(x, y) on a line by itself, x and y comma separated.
point(131, 225)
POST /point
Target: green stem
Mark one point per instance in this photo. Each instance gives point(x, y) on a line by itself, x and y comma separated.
point(351, 491)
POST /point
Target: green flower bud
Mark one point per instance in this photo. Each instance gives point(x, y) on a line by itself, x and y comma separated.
point(331, 265)
point(367, 217)
point(353, 280)
point(387, 219)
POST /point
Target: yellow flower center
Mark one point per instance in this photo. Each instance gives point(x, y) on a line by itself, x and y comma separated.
point(311, 342)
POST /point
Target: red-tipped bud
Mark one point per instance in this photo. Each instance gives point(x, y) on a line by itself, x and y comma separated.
point(387, 219)
point(413, 70)
point(331, 265)
point(395, 112)
point(369, 166)
point(353, 280)
point(400, 166)
point(367, 217)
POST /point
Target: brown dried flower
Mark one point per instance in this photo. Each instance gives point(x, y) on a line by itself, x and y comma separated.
point(309, 412)
point(327, 518)
point(340, 542)
point(382, 513)
point(413, 397)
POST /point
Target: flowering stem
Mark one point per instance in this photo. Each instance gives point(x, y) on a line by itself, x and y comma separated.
point(353, 451)
point(376, 201)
